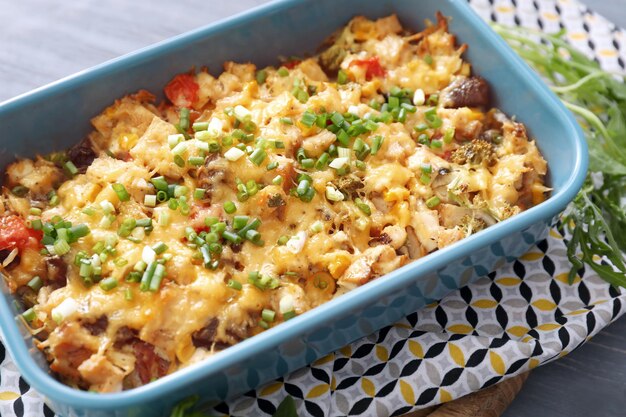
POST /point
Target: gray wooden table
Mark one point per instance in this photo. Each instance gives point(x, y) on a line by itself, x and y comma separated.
point(42, 41)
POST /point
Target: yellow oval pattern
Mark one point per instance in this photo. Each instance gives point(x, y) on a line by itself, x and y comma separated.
point(456, 353)
point(444, 396)
point(271, 388)
point(324, 359)
point(416, 349)
point(544, 305)
point(484, 303)
point(497, 363)
point(546, 327)
point(318, 390)
point(368, 387)
point(532, 256)
point(460, 329)
point(382, 353)
point(518, 331)
point(509, 281)
point(407, 392)
point(8, 395)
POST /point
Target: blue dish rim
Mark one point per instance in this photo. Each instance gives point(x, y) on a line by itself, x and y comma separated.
point(48, 386)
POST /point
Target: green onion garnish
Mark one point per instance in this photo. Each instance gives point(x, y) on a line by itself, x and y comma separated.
point(277, 180)
point(261, 76)
point(199, 193)
point(230, 207)
point(268, 315)
point(283, 72)
point(70, 169)
point(200, 126)
point(195, 161)
point(283, 240)
point(232, 237)
point(108, 284)
point(235, 285)
point(257, 156)
point(308, 119)
point(433, 202)
point(271, 166)
point(364, 207)
point(342, 77)
point(35, 283)
point(239, 222)
point(286, 120)
point(157, 278)
point(159, 248)
point(61, 247)
point(29, 315)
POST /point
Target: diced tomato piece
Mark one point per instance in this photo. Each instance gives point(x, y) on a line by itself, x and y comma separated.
point(15, 234)
point(372, 67)
point(292, 63)
point(182, 90)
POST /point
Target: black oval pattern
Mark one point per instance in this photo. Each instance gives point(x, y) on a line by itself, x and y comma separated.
point(376, 369)
point(555, 291)
point(347, 383)
point(387, 389)
point(427, 396)
point(519, 269)
point(293, 390)
point(531, 317)
point(441, 317)
point(23, 386)
point(502, 317)
point(583, 293)
point(476, 358)
point(435, 350)
point(363, 350)
point(360, 406)
point(548, 265)
point(320, 375)
point(401, 411)
point(466, 294)
point(495, 292)
point(340, 363)
point(525, 291)
point(451, 376)
point(313, 409)
point(397, 348)
point(18, 407)
point(515, 366)
point(471, 316)
point(411, 367)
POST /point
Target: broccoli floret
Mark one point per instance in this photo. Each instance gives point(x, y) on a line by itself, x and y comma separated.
point(476, 152)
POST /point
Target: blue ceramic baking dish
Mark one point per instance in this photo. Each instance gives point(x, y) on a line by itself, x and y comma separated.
point(289, 27)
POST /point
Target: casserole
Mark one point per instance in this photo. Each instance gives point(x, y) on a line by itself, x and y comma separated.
point(428, 287)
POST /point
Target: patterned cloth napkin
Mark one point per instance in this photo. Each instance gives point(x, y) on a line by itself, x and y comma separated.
point(524, 315)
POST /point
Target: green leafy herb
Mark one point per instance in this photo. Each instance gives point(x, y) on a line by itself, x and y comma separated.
point(596, 219)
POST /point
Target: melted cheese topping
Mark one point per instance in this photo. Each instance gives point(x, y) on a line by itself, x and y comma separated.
point(439, 175)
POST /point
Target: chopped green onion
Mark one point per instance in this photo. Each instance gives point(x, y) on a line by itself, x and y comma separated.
point(301, 95)
point(286, 120)
point(283, 72)
point(283, 240)
point(239, 222)
point(317, 227)
point(159, 248)
point(61, 247)
point(307, 163)
point(342, 77)
point(433, 202)
point(200, 126)
point(308, 119)
point(211, 220)
point(147, 276)
point(426, 168)
point(150, 200)
point(195, 161)
point(36, 224)
point(377, 142)
point(364, 207)
point(289, 315)
point(218, 227)
point(424, 139)
point(35, 283)
point(264, 324)
point(128, 294)
point(215, 247)
point(322, 161)
point(235, 285)
point(89, 211)
point(268, 315)
point(257, 156)
point(233, 154)
point(173, 140)
point(448, 136)
point(108, 284)
point(159, 183)
point(70, 169)
point(183, 121)
point(229, 207)
point(277, 180)
point(232, 237)
point(436, 144)
point(428, 59)
point(157, 278)
point(199, 193)
point(29, 315)
point(303, 187)
point(425, 179)
point(271, 166)
point(261, 76)
point(333, 194)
